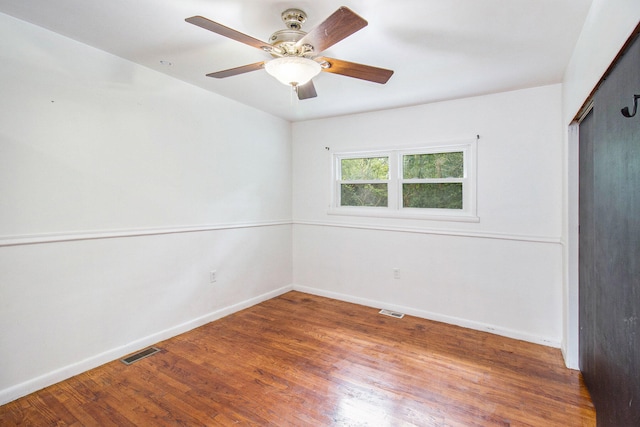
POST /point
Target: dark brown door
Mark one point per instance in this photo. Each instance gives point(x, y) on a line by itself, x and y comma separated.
point(610, 246)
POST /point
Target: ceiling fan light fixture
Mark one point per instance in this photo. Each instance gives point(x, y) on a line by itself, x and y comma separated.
point(293, 70)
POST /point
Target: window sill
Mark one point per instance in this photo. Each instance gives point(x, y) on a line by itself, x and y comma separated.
point(404, 214)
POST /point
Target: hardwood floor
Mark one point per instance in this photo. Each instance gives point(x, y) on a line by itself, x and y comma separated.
point(303, 360)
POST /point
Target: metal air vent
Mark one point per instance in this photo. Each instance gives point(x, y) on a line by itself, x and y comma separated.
point(140, 355)
point(392, 313)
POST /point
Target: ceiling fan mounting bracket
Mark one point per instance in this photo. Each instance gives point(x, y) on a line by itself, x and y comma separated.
point(294, 18)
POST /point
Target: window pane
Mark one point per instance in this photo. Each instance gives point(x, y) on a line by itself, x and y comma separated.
point(434, 196)
point(436, 165)
point(363, 195)
point(365, 168)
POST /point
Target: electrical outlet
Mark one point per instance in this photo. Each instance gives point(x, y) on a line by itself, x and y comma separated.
point(213, 276)
point(396, 273)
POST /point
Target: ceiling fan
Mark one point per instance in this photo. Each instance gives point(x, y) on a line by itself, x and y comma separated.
point(297, 53)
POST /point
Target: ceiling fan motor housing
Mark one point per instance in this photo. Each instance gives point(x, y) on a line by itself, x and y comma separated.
point(285, 40)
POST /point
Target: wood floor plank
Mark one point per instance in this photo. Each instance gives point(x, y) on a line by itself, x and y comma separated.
point(304, 360)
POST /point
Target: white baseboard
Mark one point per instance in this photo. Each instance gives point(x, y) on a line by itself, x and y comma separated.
point(465, 323)
point(570, 359)
point(50, 378)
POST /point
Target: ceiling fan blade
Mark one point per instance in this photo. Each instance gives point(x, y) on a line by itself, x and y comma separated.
point(358, 71)
point(207, 24)
point(237, 70)
point(306, 91)
point(341, 24)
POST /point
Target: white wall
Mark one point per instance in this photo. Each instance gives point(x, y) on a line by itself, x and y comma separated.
point(607, 27)
point(502, 274)
point(120, 189)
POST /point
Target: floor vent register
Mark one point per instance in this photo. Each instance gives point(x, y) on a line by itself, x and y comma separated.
point(392, 313)
point(140, 355)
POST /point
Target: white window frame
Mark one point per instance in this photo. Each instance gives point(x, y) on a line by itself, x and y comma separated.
point(337, 171)
point(468, 213)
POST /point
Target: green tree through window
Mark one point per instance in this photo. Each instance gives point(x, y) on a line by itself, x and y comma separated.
point(365, 168)
point(436, 165)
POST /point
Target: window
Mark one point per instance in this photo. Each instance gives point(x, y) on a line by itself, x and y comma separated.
point(364, 181)
point(427, 182)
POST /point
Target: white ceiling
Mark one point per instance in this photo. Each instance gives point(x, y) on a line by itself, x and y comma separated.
point(439, 49)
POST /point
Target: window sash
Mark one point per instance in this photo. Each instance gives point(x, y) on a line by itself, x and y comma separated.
point(464, 180)
point(339, 182)
point(366, 193)
point(428, 168)
point(449, 199)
